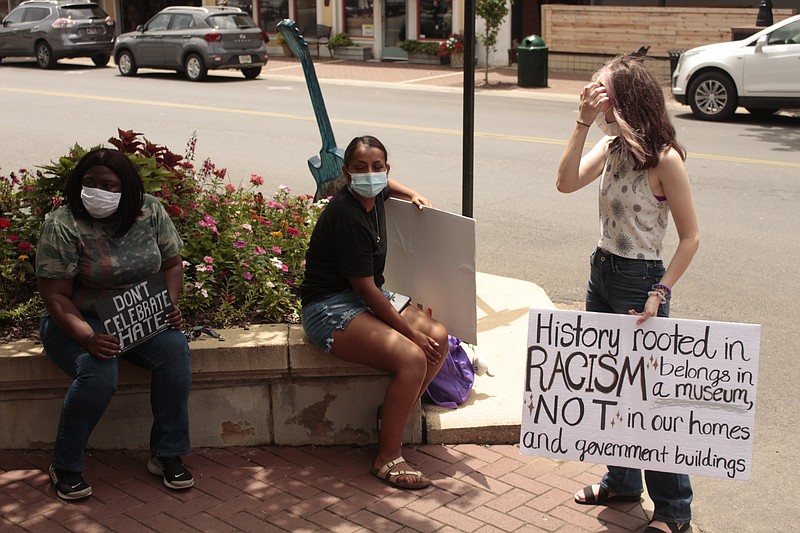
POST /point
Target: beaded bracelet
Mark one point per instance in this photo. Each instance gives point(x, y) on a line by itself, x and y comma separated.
point(665, 288)
point(659, 294)
point(583, 124)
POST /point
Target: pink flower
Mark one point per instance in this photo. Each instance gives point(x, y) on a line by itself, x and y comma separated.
point(248, 276)
point(208, 260)
point(239, 244)
point(230, 188)
point(259, 250)
point(275, 205)
point(256, 180)
point(284, 188)
point(277, 249)
point(209, 268)
point(292, 231)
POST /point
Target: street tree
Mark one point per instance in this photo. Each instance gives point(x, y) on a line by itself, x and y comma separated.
point(493, 12)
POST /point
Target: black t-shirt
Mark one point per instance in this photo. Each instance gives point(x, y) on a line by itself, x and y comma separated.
point(347, 242)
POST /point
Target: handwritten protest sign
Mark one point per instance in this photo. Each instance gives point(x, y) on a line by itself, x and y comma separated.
point(669, 395)
point(138, 313)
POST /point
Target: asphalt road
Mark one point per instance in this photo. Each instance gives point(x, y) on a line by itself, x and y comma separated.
point(745, 176)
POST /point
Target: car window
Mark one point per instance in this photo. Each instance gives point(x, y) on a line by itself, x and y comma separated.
point(235, 21)
point(159, 22)
point(789, 34)
point(83, 12)
point(35, 14)
point(182, 22)
point(16, 16)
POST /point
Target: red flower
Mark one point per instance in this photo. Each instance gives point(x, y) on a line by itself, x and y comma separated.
point(4, 223)
point(24, 247)
point(174, 210)
point(13, 238)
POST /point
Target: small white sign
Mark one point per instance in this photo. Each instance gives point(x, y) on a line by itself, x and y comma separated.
point(669, 395)
point(367, 30)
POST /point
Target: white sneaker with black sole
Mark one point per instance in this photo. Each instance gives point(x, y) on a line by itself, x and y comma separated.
point(173, 472)
point(69, 485)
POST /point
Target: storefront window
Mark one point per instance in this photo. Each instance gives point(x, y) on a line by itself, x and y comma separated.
point(435, 19)
point(306, 14)
point(358, 19)
point(272, 12)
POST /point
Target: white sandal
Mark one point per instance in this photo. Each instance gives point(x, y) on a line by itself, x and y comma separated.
point(386, 475)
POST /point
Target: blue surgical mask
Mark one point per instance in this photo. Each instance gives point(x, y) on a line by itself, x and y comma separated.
point(368, 184)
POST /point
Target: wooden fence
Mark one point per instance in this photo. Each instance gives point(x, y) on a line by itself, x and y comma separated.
point(614, 30)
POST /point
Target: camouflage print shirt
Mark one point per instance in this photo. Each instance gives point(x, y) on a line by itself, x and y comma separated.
point(100, 265)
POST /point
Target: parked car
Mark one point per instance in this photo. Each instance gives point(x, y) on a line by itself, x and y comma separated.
point(52, 30)
point(760, 73)
point(194, 40)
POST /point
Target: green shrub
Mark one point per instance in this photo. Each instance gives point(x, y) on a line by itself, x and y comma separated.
point(340, 40)
point(420, 47)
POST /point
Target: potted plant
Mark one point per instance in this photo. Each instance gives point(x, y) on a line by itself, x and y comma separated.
point(424, 52)
point(344, 48)
point(454, 48)
point(287, 51)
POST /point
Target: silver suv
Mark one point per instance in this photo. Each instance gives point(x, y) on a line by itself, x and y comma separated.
point(194, 40)
point(52, 30)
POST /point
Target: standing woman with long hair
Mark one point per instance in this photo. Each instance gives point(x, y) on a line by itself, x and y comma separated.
point(642, 180)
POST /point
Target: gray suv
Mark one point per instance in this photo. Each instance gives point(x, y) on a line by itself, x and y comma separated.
point(52, 30)
point(194, 40)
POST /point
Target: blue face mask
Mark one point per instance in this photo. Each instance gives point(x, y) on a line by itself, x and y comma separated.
point(368, 184)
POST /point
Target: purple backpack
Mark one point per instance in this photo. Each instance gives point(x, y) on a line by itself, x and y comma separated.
point(451, 386)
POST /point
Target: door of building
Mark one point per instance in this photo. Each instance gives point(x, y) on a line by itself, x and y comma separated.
point(394, 22)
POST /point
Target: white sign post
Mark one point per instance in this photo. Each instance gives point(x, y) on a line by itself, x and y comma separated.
point(669, 395)
point(431, 257)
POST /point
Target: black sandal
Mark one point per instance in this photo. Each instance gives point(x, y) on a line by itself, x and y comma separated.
point(674, 527)
point(604, 497)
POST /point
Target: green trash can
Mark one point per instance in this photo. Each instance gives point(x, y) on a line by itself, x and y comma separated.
point(532, 62)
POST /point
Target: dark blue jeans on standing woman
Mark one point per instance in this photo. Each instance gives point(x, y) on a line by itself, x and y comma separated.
point(94, 382)
point(616, 285)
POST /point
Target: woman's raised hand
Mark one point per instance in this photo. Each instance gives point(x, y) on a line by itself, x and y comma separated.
point(594, 100)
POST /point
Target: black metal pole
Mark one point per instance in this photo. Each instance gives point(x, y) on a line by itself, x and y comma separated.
point(468, 147)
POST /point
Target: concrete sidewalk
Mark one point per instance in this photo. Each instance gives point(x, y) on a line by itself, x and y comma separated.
point(483, 488)
point(502, 80)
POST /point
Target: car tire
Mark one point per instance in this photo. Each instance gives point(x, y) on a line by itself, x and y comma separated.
point(194, 68)
point(126, 64)
point(712, 96)
point(251, 73)
point(762, 112)
point(44, 55)
point(101, 60)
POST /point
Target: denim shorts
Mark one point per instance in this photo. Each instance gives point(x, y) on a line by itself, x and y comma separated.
point(323, 317)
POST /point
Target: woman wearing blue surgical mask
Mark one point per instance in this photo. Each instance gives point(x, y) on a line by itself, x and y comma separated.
point(346, 312)
point(107, 237)
point(642, 180)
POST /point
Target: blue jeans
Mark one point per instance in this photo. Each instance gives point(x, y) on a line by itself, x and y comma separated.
point(94, 382)
point(616, 285)
point(322, 317)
